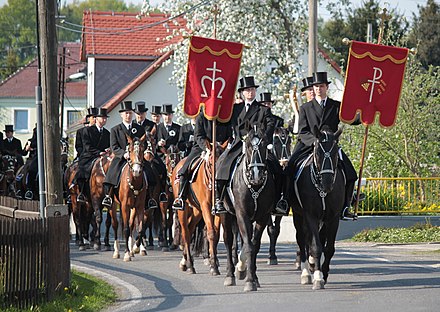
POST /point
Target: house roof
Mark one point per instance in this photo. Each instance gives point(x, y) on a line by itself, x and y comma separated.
point(123, 35)
point(21, 84)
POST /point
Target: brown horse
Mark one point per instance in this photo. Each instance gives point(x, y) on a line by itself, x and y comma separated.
point(131, 197)
point(82, 212)
point(95, 196)
point(172, 158)
point(198, 206)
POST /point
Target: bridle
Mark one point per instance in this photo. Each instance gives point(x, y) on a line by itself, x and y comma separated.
point(135, 166)
point(327, 166)
point(284, 140)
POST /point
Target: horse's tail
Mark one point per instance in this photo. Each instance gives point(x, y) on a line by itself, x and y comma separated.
point(157, 216)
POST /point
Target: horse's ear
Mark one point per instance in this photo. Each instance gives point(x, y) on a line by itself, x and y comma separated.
point(224, 145)
point(142, 139)
point(153, 131)
point(316, 132)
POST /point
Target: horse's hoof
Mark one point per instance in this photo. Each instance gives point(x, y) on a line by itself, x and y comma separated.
point(229, 281)
point(272, 261)
point(97, 247)
point(127, 258)
point(214, 271)
point(206, 261)
point(150, 247)
point(107, 248)
point(191, 271)
point(136, 250)
point(257, 283)
point(306, 280)
point(297, 266)
point(250, 286)
point(318, 284)
point(131, 254)
point(82, 248)
point(143, 253)
point(183, 267)
point(116, 256)
point(165, 249)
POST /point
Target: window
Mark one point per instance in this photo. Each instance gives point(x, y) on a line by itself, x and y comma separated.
point(21, 120)
point(73, 117)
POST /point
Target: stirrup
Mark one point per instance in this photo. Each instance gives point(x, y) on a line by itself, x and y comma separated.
point(29, 195)
point(152, 204)
point(282, 207)
point(81, 198)
point(178, 204)
point(163, 197)
point(107, 201)
point(348, 215)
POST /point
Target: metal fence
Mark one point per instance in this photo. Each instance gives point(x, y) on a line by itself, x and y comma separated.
point(400, 196)
point(34, 258)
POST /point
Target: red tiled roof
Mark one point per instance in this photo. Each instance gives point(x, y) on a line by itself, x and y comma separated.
point(22, 83)
point(110, 34)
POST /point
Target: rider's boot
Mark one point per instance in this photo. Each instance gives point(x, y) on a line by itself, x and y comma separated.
point(347, 214)
point(179, 203)
point(81, 198)
point(219, 195)
point(108, 190)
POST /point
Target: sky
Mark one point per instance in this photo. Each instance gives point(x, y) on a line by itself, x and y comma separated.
point(405, 7)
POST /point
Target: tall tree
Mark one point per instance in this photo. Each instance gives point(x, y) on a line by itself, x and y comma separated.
point(17, 35)
point(426, 34)
point(354, 27)
point(275, 31)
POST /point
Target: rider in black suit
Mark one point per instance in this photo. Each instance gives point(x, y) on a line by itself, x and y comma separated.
point(12, 146)
point(167, 131)
point(250, 113)
point(319, 112)
point(118, 144)
point(89, 121)
point(96, 142)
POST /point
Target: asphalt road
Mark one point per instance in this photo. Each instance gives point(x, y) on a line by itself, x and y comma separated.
point(363, 277)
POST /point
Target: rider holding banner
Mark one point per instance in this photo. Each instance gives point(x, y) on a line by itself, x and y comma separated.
point(321, 111)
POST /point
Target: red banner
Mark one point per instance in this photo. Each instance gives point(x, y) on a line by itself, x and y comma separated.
point(211, 80)
point(373, 83)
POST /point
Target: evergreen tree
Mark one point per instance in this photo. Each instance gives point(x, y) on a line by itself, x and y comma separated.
point(425, 34)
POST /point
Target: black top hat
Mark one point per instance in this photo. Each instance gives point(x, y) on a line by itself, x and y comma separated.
point(167, 109)
point(126, 106)
point(247, 82)
point(140, 107)
point(156, 110)
point(91, 111)
point(266, 97)
point(307, 83)
point(9, 128)
point(320, 77)
point(102, 112)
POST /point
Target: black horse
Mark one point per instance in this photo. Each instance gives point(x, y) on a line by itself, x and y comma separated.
point(250, 200)
point(8, 169)
point(318, 199)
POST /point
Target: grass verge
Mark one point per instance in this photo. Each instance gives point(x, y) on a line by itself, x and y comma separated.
point(86, 293)
point(418, 233)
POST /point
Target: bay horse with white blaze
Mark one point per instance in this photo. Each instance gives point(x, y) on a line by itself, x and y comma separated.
point(250, 201)
point(131, 196)
point(319, 191)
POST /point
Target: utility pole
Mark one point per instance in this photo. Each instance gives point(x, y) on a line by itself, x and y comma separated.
point(50, 103)
point(313, 35)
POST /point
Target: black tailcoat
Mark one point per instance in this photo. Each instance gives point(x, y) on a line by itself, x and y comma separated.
point(184, 144)
point(258, 115)
point(118, 143)
point(94, 143)
point(13, 148)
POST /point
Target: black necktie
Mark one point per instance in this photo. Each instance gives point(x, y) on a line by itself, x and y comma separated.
point(322, 104)
point(168, 128)
point(248, 105)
